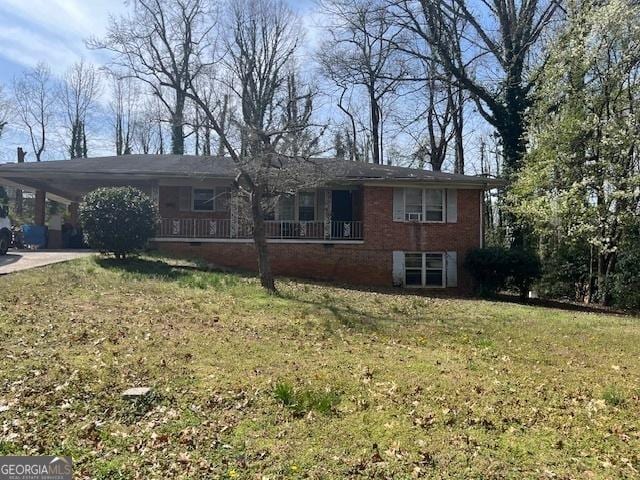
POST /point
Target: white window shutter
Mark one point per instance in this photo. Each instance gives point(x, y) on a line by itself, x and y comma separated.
point(452, 269)
point(398, 204)
point(184, 201)
point(398, 268)
point(452, 205)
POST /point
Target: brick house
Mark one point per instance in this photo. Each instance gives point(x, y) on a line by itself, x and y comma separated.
point(365, 224)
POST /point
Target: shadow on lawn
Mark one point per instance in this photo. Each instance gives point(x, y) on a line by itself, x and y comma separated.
point(187, 275)
point(146, 267)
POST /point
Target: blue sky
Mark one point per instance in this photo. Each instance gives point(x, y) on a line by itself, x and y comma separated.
point(54, 31)
point(49, 30)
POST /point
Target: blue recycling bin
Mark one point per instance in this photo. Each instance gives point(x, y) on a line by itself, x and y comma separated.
point(34, 235)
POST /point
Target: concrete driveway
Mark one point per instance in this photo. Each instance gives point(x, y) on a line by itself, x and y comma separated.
point(17, 260)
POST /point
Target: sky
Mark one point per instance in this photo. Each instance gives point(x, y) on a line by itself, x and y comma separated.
point(55, 31)
point(49, 30)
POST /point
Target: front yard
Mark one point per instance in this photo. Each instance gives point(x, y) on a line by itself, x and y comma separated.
point(321, 382)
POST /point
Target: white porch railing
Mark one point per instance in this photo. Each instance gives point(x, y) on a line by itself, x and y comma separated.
point(223, 228)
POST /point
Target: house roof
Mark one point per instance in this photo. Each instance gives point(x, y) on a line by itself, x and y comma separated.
point(150, 166)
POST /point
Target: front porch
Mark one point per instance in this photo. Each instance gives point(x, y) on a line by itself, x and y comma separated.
point(212, 213)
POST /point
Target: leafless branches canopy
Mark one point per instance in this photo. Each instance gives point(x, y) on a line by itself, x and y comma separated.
point(34, 105)
point(78, 91)
point(167, 44)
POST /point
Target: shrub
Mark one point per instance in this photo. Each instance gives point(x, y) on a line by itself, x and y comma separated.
point(118, 220)
point(489, 268)
point(495, 268)
point(524, 269)
point(625, 282)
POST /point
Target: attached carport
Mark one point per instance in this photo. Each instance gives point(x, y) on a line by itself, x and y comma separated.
point(67, 181)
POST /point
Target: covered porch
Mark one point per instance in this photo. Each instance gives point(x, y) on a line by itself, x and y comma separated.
point(212, 213)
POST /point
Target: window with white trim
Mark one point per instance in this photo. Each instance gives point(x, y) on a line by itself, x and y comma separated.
point(433, 205)
point(413, 204)
point(424, 205)
point(287, 208)
point(211, 199)
point(422, 269)
point(203, 199)
point(306, 206)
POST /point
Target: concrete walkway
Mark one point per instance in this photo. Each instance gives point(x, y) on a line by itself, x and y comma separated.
point(17, 260)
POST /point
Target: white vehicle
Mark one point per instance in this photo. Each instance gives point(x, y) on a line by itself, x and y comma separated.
point(5, 231)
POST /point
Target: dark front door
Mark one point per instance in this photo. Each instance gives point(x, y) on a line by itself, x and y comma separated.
point(341, 206)
point(342, 214)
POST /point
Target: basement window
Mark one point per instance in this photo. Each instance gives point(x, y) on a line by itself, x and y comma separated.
point(423, 269)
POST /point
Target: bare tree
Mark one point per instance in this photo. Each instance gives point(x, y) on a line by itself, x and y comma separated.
point(124, 106)
point(35, 99)
point(78, 92)
point(493, 63)
point(216, 94)
point(263, 39)
point(360, 51)
point(162, 43)
point(148, 129)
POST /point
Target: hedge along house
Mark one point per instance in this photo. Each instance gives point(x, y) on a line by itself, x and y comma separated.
point(364, 224)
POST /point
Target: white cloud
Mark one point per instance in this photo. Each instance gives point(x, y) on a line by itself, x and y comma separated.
point(27, 48)
point(67, 17)
point(53, 31)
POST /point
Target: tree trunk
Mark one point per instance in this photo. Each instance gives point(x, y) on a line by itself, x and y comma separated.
point(260, 241)
point(223, 123)
point(606, 265)
point(177, 125)
point(458, 128)
point(206, 146)
point(375, 127)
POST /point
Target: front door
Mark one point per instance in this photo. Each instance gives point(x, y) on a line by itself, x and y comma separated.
point(341, 214)
point(341, 206)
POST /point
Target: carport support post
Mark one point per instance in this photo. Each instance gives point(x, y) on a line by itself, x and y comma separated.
point(73, 214)
point(41, 198)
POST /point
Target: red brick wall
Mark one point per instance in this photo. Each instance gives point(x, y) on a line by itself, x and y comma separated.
point(369, 263)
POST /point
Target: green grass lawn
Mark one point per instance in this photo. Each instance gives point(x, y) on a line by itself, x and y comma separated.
point(320, 382)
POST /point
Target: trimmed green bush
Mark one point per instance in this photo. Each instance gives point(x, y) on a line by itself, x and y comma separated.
point(495, 268)
point(118, 220)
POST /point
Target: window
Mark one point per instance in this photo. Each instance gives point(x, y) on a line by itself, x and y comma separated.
point(424, 269)
point(433, 270)
point(424, 205)
point(286, 208)
point(434, 205)
point(203, 199)
point(306, 206)
point(222, 199)
point(211, 199)
point(413, 204)
point(413, 269)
